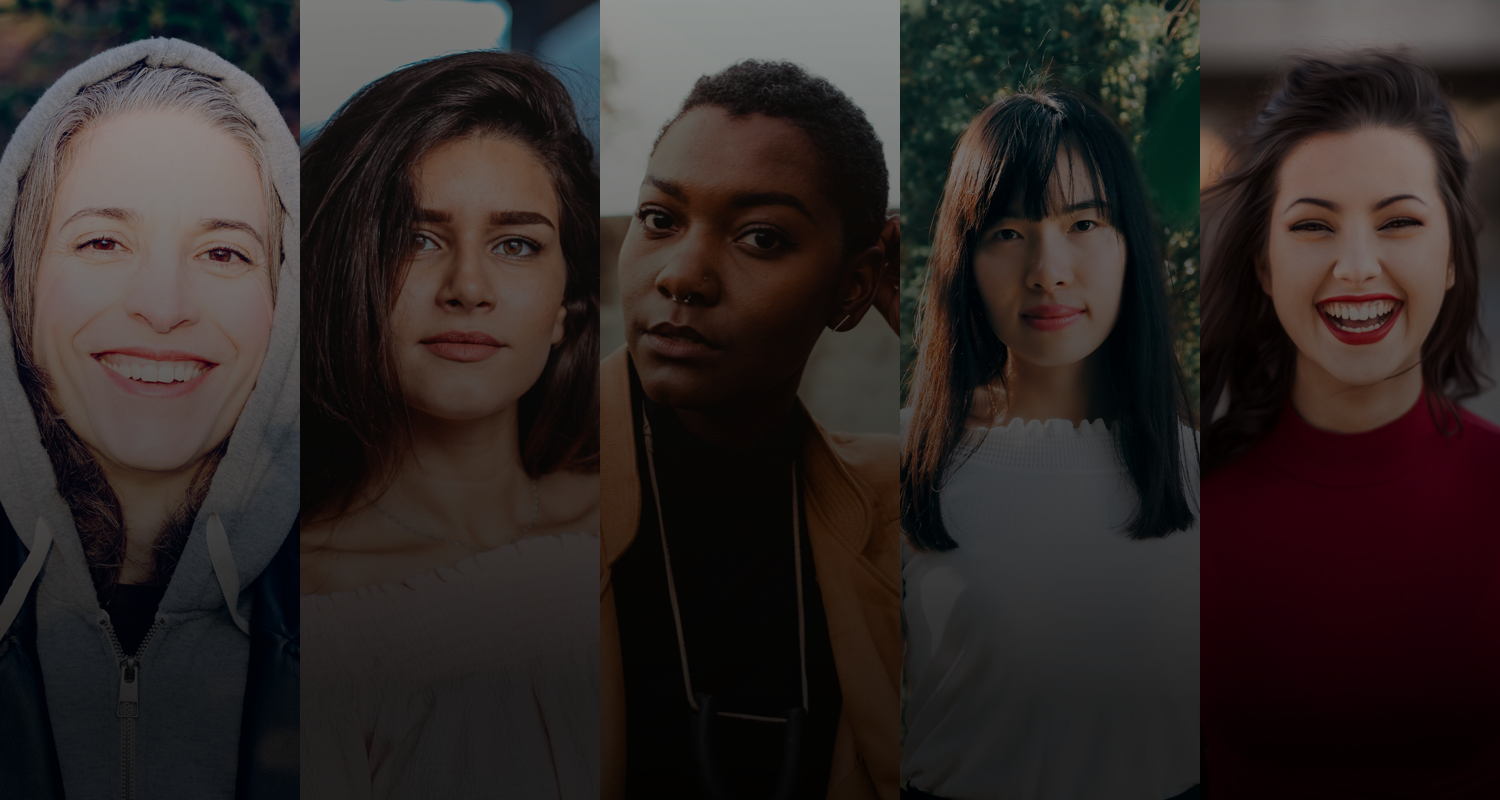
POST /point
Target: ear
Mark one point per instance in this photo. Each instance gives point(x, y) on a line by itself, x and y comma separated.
point(1263, 274)
point(559, 326)
point(1452, 277)
point(864, 274)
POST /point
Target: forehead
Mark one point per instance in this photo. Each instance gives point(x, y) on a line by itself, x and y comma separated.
point(714, 155)
point(1370, 163)
point(1071, 181)
point(480, 174)
point(161, 163)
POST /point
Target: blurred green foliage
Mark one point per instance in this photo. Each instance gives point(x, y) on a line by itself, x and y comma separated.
point(1140, 60)
point(42, 39)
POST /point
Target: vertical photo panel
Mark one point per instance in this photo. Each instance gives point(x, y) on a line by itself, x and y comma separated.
point(1351, 565)
point(450, 385)
point(149, 411)
point(1049, 461)
point(749, 626)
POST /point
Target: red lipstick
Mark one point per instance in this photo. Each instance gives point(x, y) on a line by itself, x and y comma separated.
point(1051, 317)
point(1361, 337)
point(462, 346)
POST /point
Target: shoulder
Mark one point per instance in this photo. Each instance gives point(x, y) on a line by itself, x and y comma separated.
point(1481, 441)
point(874, 458)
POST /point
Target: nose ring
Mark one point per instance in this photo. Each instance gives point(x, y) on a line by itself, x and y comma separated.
point(687, 301)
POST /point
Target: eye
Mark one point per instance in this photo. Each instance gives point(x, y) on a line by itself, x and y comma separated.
point(1085, 225)
point(421, 242)
point(654, 219)
point(765, 240)
point(516, 248)
point(1007, 234)
point(1401, 222)
point(224, 255)
point(101, 245)
point(1311, 226)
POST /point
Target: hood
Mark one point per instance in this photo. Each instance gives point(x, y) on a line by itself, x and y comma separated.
point(254, 496)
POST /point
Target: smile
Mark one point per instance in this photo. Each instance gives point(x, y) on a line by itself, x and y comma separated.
point(1360, 320)
point(147, 371)
point(153, 373)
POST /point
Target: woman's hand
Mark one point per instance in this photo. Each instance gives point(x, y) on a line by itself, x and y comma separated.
point(888, 284)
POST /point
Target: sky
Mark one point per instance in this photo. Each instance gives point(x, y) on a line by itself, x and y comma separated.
point(661, 47)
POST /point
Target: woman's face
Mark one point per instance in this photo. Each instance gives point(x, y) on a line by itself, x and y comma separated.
point(734, 220)
point(1358, 253)
point(1051, 288)
point(482, 304)
point(153, 294)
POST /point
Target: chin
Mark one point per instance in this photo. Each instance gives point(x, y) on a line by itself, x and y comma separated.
point(149, 448)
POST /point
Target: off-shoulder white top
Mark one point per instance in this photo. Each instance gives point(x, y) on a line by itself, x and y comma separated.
point(1049, 656)
point(478, 680)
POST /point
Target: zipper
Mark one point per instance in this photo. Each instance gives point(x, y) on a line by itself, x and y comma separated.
point(128, 706)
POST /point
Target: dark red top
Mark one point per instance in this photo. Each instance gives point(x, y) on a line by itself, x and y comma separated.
point(1351, 614)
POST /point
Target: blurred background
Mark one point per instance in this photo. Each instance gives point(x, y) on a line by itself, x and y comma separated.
point(1243, 41)
point(352, 42)
point(654, 50)
point(42, 39)
point(1139, 60)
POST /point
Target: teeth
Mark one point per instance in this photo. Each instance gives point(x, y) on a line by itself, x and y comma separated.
point(1359, 311)
point(154, 371)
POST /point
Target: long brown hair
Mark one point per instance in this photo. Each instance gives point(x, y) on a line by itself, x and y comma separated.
point(360, 202)
point(1009, 150)
point(1246, 353)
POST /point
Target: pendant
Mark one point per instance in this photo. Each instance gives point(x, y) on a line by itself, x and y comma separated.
point(708, 766)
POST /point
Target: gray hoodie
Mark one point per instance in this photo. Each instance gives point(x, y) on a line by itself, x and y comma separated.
point(191, 680)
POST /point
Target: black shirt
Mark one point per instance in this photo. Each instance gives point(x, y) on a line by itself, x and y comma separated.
point(729, 531)
point(132, 612)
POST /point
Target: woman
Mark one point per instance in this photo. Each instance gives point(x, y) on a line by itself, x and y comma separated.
point(452, 390)
point(1350, 646)
point(150, 286)
point(1051, 575)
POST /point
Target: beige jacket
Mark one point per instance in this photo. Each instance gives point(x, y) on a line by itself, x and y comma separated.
point(852, 501)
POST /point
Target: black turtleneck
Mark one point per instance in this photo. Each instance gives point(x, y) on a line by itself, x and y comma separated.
point(729, 530)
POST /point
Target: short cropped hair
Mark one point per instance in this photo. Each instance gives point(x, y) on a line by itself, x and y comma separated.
point(856, 177)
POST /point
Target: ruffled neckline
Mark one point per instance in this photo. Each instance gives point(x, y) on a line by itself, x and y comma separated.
point(1052, 428)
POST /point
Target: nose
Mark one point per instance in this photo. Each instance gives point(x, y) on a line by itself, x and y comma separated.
point(1358, 259)
point(1047, 269)
point(690, 275)
point(158, 295)
point(466, 286)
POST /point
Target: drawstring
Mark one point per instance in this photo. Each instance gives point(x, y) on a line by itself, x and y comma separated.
point(224, 569)
point(41, 544)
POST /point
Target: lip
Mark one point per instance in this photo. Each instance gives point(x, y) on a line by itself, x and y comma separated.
point(677, 342)
point(1051, 317)
point(155, 390)
point(464, 346)
point(1368, 337)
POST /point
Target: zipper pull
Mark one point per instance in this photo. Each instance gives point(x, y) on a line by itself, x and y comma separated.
point(130, 704)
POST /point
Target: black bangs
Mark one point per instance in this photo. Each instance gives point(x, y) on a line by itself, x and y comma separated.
point(1031, 143)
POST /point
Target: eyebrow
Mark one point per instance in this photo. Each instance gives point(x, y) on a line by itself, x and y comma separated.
point(117, 214)
point(207, 224)
point(740, 201)
point(1334, 207)
point(495, 219)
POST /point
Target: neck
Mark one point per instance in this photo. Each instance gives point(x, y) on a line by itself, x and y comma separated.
point(1330, 404)
point(1074, 392)
point(463, 474)
point(147, 499)
point(745, 424)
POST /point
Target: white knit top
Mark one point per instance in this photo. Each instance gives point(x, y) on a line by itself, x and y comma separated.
point(477, 680)
point(1049, 656)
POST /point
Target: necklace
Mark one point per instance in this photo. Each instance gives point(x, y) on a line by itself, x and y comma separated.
point(536, 505)
point(705, 706)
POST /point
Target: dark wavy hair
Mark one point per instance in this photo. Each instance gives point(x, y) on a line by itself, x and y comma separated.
point(1010, 150)
point(1248, 359)
point(360, 204)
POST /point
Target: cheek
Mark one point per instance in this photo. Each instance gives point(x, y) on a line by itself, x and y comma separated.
point(998, 285)
point(243, 310)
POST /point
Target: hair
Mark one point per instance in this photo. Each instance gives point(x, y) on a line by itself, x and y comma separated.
point(139, 88)
point(359, 189)
point(1010, 151)
point(1248, 359)
point(856, 178)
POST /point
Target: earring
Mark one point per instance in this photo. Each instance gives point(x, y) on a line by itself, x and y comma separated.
point(838, 328)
